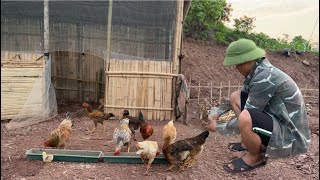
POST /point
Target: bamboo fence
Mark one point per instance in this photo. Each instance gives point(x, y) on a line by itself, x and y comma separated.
point(224, 90)
point(19, 71)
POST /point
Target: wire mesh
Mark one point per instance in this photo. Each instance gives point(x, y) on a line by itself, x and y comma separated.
point(140, 29)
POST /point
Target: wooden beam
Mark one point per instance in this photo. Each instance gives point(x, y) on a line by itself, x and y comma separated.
point(139, 108)
point(139, 73)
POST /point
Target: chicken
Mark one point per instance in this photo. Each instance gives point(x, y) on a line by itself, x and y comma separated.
point(169, 134)
point(134, 122)
point(46, 157)
point(96, 116)
point(148, 150)
point(59, 136)
point(184, 152)
point(122, 136)
point(146, 129)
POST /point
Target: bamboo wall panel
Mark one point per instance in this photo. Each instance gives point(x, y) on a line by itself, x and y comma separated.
point(18, 74)
point(135, 91)
point(67, 73)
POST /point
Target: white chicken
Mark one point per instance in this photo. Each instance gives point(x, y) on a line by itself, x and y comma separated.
point(46, 157)
point(148, 150)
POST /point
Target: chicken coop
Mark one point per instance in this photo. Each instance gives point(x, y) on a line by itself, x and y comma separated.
point(125, 51)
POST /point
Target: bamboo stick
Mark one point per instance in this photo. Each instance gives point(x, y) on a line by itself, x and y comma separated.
point(139, 73)
point(215, 87)
point(199, 93)
point(142, 77)
point(211, 98)
point(220, 92)
point(139, 108)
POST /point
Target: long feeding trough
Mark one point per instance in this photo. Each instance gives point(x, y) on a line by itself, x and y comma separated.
point(90, 156)
point(65, 155)
point(130, 158)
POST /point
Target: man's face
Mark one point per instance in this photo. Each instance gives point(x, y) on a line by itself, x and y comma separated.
point(244, 68)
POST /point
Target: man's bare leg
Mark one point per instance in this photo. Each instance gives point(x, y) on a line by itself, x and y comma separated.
point(251, 140)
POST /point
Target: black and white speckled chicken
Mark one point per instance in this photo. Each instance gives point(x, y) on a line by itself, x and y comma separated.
point(122, 136)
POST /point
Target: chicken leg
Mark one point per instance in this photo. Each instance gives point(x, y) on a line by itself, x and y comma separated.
point(171, 167)
point(95, 126)
point(93, 130)
point(128, 147)
point(104, 126)
point(147, 172)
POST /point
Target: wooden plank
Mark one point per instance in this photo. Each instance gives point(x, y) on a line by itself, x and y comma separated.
point(6, 109)
point(18, 85)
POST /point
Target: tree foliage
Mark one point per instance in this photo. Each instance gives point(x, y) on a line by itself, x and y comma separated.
point(206, 19)
point(244, 24)
point(204, 16)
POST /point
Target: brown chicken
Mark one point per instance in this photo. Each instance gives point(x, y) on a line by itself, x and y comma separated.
point(96, 116)
point(148, 150)
point(146, 130)
point(59, 136)
point(184, 152)
point(134, 122)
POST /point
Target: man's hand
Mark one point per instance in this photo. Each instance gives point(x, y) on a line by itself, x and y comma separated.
point(213, 123)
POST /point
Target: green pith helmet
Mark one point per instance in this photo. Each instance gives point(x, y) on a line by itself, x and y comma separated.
point(241, 51)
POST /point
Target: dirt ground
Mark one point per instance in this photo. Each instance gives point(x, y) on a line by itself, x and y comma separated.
point(197, 64)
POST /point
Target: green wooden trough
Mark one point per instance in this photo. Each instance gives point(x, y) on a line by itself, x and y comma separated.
point(65, 155)
point(130, 158)
point(91, 156)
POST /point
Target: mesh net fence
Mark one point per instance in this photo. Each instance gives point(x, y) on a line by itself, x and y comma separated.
point(140, 30)
point(40, 104)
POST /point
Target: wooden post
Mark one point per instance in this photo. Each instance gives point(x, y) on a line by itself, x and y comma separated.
point(220, 92)
point(46, 28)
point(199, 93)
point(46, 51)
point(211, 94)
point(79, 62)
point(108, 53)
point(173, 99)
point(175, 54)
